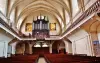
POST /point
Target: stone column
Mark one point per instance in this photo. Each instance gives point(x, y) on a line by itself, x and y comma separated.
point(13, 48)
point(30, 48)
point(50, 48)
point(90, 46)
point(73, 47)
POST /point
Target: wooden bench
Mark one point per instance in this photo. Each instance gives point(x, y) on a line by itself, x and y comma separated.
point(20, 59)
point(63, 58)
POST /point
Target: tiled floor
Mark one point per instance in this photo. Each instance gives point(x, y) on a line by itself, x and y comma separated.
point(41, 60)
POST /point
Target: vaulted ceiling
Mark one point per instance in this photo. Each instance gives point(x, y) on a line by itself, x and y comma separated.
point(64, 12)
point(25, 8)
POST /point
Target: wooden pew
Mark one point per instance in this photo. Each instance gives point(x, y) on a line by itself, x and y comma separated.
point(20, 59)
point(63, 58)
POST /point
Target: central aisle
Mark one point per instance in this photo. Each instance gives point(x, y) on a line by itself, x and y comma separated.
point(42, 60)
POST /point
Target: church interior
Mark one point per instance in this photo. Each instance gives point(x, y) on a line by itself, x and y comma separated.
point(49, 31)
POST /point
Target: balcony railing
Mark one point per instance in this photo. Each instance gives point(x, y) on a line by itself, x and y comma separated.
point(94, 8)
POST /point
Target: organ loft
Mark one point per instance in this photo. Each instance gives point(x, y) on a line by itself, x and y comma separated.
point(40, 27)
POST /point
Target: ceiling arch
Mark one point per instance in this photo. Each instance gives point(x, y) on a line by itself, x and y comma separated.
point(25, 7)
point(93, 26)
point(48, 14)
point(46, 7)
point(18, 2)
point(34, 10)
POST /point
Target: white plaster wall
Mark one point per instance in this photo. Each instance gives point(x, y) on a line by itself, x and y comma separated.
point(68, 46)
point(67, 18)
point(86, 2)
point(3, 48)
point(4, 36)
point(12, 19)
point(9, 49)
point(75, 7)
point(80, 42)
point(3, 6)
point(4, 39)
point(13, 47)
point(81, 47)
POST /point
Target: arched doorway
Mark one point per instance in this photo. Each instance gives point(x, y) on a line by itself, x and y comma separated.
point(40, 47)
point(58, 47)
point(20, 48)
point(62, 48)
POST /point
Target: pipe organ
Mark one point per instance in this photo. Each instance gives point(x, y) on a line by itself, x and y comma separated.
point(40, 27)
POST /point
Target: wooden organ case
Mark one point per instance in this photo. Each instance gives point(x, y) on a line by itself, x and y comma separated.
point(40, 28)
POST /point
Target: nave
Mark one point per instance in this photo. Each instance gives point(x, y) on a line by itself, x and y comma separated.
point(49, 31)
point(41, 60)
point(50, 58)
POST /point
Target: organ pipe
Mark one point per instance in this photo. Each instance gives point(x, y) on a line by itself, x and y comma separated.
point(41, 25)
